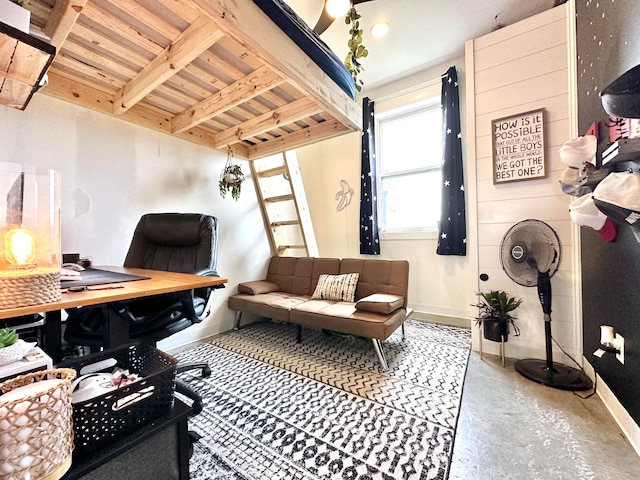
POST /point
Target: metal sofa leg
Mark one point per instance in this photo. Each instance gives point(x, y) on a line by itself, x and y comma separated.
point(298, 333)
point(236, 323)
point(404, 332)
point(377, 346)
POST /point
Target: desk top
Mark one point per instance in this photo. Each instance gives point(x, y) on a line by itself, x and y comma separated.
point(159, 282)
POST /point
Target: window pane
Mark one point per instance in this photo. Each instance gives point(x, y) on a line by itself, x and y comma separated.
point(410, 202)
point(411, 141)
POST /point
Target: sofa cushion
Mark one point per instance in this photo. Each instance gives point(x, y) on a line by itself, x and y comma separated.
point(299, 275)
point(380, 303)
point(379, 276)
point(343, 317)
point(274, 305)
point(336, 287)
point(258, 287)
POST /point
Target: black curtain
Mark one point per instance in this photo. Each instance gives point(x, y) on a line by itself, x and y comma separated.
point(369, 242)
point(452, 239)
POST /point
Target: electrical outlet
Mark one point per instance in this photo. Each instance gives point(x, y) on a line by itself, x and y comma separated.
point(620, 344)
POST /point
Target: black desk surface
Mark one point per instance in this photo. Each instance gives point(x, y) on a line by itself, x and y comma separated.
point(95, 276)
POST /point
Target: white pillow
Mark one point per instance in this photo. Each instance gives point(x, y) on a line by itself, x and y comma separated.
point(336, 287)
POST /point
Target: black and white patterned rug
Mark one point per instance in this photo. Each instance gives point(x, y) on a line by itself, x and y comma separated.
point(275, 409)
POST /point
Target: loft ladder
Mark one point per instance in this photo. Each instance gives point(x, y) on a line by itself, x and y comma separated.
point(284, 205)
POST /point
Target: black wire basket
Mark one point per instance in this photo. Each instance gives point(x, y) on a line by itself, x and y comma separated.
point(104, 418)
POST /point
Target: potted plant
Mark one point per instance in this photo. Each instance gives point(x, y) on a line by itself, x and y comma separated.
point(495, 307)
point(12, 348)
point(231, 178)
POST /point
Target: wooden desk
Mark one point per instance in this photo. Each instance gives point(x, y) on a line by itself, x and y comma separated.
point(159, 282)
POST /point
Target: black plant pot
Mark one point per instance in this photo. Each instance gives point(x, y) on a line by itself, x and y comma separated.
point(495, 329)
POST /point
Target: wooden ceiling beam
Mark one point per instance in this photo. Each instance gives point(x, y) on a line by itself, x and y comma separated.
point(183, 8)
point(62, 19)
point(147, 17)
point(74, 92)
point(244, 21)
point(268, 121)
point(120, 29)
point(248, 87)
point(99, 79)
point(103, 43)
point(197, 38)
point(306, 136)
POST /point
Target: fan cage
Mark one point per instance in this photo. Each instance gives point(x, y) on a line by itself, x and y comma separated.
point(541, 251)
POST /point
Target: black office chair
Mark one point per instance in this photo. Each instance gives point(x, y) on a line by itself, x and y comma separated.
point(174, 242)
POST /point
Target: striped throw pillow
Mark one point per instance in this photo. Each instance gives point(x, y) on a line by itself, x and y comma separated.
point(336, 287)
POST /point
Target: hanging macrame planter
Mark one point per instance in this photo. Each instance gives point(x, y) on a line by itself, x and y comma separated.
point(231, 178)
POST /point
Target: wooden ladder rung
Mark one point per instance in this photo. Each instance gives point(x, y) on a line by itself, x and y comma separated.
point(283, 223)
point(272, 172)
point(279, 198)
point(282, 248)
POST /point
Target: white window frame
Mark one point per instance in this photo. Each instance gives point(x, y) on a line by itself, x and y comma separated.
point(418, 99)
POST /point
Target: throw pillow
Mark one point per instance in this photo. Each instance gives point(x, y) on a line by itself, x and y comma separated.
point(258, 287)
point(336, 287)
point(380, 303)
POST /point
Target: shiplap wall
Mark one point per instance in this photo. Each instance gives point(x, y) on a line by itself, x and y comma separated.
point(517, 69)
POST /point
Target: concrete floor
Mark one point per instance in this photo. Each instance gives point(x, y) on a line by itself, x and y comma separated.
point(512, 428)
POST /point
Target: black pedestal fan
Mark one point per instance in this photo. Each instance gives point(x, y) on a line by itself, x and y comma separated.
point(530, 255)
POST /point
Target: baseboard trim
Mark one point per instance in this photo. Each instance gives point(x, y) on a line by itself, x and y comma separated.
point(442, 319)
point(628, 426)
point(194, 343)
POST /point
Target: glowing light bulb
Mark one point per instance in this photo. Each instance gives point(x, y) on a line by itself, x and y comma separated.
point(380, 29)
point(338, 8)
point(19, 247)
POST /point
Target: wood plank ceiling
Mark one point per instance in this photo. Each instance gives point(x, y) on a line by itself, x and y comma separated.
point(193, 69)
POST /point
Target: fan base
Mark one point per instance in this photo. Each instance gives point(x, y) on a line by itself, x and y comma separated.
point(560, 376)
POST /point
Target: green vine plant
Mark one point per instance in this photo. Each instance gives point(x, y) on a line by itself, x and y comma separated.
point(231, 178)
point(356, 49)
point(22, 3)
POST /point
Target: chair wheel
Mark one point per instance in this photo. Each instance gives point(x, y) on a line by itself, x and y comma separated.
point(206, 371)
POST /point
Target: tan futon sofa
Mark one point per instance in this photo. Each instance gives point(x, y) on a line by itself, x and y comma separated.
point(291, 293)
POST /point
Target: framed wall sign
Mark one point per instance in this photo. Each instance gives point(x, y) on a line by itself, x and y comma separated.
point(518, 147)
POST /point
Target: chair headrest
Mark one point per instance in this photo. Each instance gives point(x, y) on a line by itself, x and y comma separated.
point(175, 242)
point(175, 229)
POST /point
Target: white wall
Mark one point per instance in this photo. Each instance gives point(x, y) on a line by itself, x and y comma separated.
point(520, 68)
point(112, 172)
point(437, 284)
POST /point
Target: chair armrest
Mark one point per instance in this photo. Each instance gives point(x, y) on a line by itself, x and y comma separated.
point(380, 303)
point(187, 298)
point(257, 287)
point(208, 272)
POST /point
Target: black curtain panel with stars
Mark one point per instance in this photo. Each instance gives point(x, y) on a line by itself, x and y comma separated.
point(369, 242)
point(453, 231)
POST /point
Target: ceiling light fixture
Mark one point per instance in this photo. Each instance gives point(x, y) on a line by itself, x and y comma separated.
point(380, 29)
point(338, 8)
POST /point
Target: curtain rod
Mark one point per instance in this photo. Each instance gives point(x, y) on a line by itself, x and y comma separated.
point(426, 84)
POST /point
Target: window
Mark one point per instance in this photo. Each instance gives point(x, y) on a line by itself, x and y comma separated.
point(409, 155)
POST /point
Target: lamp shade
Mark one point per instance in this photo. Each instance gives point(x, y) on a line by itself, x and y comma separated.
point(338, 8)
point(30, 253)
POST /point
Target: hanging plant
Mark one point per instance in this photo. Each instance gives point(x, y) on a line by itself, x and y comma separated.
point(356, 49)
point(231, 178)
